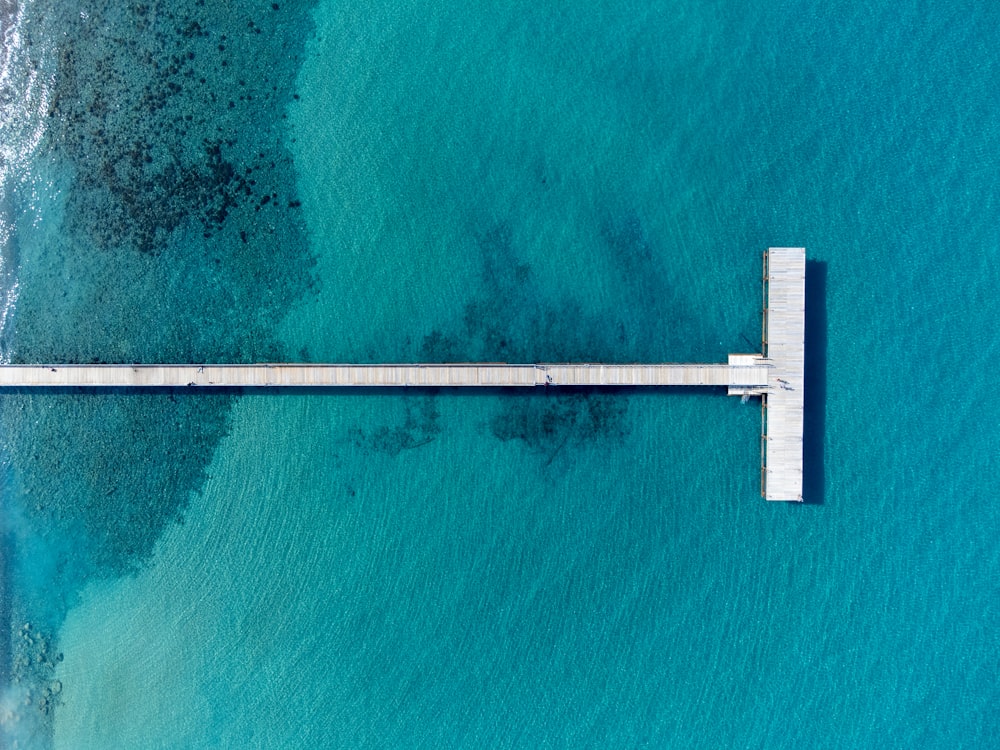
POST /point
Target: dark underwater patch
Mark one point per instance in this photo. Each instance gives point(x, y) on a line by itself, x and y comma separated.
point(514, 320)
point(182, 241)
point(658, 318)
point(418, 427)
point(555, 420)
point(118, 466)
point(170, 116)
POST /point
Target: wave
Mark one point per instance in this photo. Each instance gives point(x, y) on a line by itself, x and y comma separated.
point(24, 103)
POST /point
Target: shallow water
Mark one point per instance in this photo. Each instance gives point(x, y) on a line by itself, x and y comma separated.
point(519, 569)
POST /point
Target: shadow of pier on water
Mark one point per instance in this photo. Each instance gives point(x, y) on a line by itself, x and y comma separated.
point(813, 468)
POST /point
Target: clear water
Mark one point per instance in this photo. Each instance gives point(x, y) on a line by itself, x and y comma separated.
point(507, 183)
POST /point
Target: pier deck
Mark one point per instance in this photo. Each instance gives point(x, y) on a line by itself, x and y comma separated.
point(784, 351)
point(741, 376)
point(776, 374)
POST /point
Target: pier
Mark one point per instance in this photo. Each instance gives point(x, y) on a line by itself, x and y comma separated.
point(776, 374)
point(784, 333)
point(742, 376)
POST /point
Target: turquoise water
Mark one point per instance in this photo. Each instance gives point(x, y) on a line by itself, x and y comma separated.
point(517, 183)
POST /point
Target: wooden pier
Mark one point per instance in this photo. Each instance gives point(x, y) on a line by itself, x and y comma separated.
point(740, 377)
point(775, 374)
point(784, 352)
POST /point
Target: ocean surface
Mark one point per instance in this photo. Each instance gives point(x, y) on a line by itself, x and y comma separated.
point(323, 181)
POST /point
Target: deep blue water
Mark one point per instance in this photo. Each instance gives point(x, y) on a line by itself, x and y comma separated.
point(409, 181)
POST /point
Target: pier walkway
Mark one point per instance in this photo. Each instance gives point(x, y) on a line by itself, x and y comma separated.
point(775, 374)
point(784, 350)
point(751, 376)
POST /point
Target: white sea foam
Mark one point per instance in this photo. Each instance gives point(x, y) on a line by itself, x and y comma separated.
point(24, 102)
point(24, 97)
